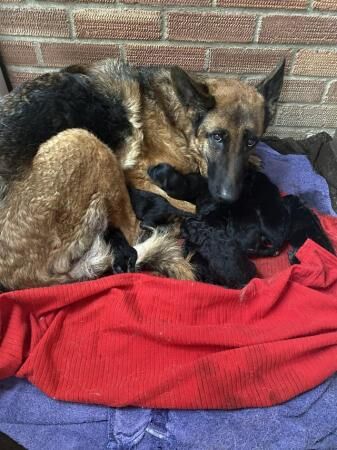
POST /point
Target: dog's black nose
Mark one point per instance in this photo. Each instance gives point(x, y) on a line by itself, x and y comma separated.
point(227, 196)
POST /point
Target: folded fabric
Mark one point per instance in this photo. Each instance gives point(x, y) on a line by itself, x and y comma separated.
point(295, 175)
point(8, 443)
point(38, 422)
point(321, 149)
point(146, 341)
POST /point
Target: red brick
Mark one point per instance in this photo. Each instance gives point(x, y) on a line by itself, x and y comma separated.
point(282, 132)
point(327, 5)
point(299, 29)
point(17, 78)
point(307, 116)
point(302, 91)
point(57, 55)
point(19, 53)
point(113, 24)
point(310, 62)
point(285, 4)
point(332, 93)
point(171, 2)
point(210, 27)
point(34, 22)
point(299, 91)
point(189, 58)
point(235, 60)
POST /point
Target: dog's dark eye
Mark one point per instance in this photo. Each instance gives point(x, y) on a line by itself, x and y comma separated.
point(251, 142)
point(217, 137)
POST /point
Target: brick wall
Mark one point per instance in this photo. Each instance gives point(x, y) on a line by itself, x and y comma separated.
point(222, 37)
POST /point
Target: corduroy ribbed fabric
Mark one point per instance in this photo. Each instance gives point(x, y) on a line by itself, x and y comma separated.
point(141, 340)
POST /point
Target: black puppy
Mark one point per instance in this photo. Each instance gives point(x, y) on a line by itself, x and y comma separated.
point(257, 224)
point(221, 236)
point(258, 220)
point(217, 258)
point(153, 210)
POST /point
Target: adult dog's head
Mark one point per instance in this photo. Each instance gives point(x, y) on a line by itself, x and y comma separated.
point(228, 118)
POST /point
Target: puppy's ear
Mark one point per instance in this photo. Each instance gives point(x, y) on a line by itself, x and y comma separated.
point(191, 93)
point(271, 88)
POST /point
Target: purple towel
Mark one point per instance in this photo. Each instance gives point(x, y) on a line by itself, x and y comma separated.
point(293, 174)
point(306, 422)
point(38, 422)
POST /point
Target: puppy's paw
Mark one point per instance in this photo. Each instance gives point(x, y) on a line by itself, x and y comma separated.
point(292, 257)
point(123, 255)
point(167, 178)
point(124, 260)
point(160, 174)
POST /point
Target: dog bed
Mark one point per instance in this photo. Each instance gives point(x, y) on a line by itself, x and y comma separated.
point(309, 361)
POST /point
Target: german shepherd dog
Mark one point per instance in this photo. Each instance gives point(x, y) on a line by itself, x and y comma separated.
point(71, 141)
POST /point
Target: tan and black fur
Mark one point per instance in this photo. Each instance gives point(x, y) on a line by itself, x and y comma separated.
point(54, 218)
point(137, 118)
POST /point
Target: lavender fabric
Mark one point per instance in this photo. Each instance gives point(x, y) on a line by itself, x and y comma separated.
point(38, 422)
point(295, 175)
point(306, 422)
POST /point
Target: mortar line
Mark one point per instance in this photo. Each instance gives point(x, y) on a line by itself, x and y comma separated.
point(214, 44)
point(172, 8)
point(325, 93)
point(258, 27)
point(257, 75)
point(207, 60)
point(38, 53)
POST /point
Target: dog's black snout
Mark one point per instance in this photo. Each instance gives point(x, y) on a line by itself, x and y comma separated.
point(227, 192)
point(227, 195)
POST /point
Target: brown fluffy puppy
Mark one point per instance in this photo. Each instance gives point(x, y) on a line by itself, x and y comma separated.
point(54, 218)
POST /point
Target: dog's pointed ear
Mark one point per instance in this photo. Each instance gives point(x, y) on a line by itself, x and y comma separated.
point(271, 88)
point(191, 93)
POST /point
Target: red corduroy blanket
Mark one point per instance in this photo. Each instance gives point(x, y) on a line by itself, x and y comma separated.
point(154, 342)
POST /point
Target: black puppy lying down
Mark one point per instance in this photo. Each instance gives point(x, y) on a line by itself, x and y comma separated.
point(223, 236)
point(220, 236)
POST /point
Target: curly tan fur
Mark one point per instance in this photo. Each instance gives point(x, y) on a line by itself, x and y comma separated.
point(53, 219)
point(161, 254)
